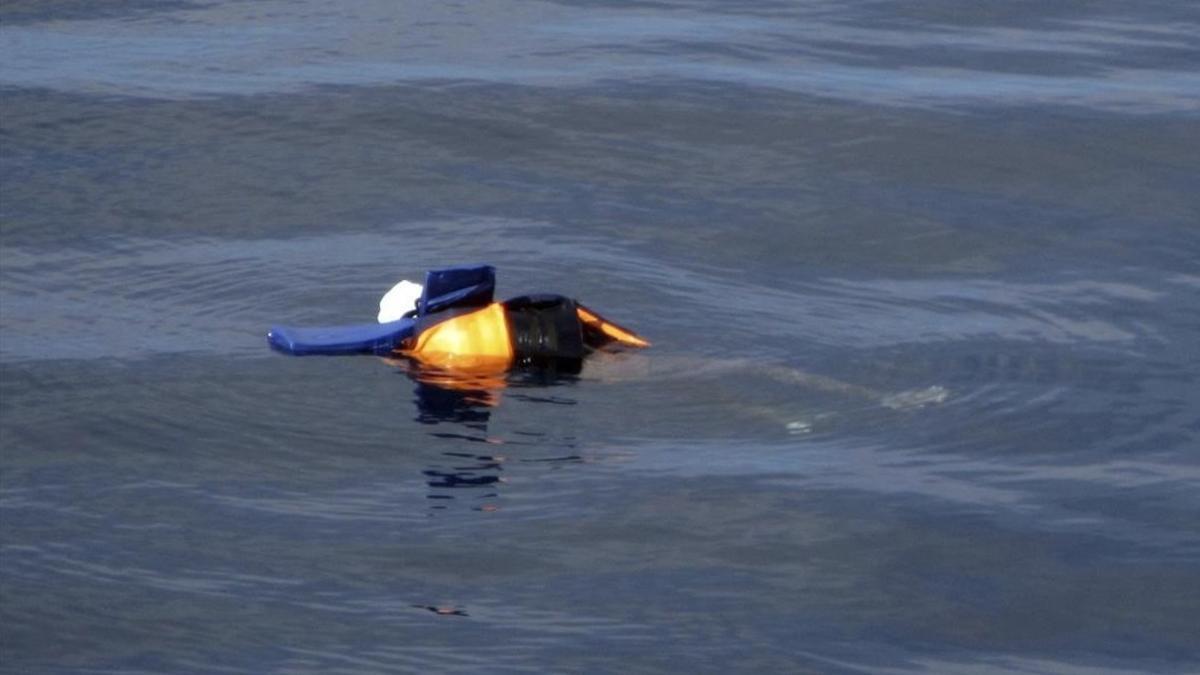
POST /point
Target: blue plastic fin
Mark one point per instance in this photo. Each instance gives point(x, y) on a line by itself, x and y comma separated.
point(472, 286)
point(368, 338)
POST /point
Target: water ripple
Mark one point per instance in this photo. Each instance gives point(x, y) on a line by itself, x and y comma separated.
point(1098, 62)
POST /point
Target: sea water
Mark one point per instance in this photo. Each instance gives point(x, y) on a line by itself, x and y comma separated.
point(921, 279)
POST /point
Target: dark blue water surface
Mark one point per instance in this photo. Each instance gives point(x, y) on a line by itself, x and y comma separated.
point(922, 280)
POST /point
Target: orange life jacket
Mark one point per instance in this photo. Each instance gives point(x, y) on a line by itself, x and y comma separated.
point(527, 330)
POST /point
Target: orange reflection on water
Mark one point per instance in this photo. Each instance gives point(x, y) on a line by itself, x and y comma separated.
point(480, 380)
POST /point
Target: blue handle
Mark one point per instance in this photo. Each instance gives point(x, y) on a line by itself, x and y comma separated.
point(370, 338)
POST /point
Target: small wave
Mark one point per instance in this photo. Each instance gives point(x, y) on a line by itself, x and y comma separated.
point(1098, 62)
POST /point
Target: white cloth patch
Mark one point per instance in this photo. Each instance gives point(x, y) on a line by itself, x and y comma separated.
point(399, 301)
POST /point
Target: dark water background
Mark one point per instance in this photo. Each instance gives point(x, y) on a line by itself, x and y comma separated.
point(996, 198)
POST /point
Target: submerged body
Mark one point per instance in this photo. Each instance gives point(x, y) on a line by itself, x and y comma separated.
point(452, 335)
